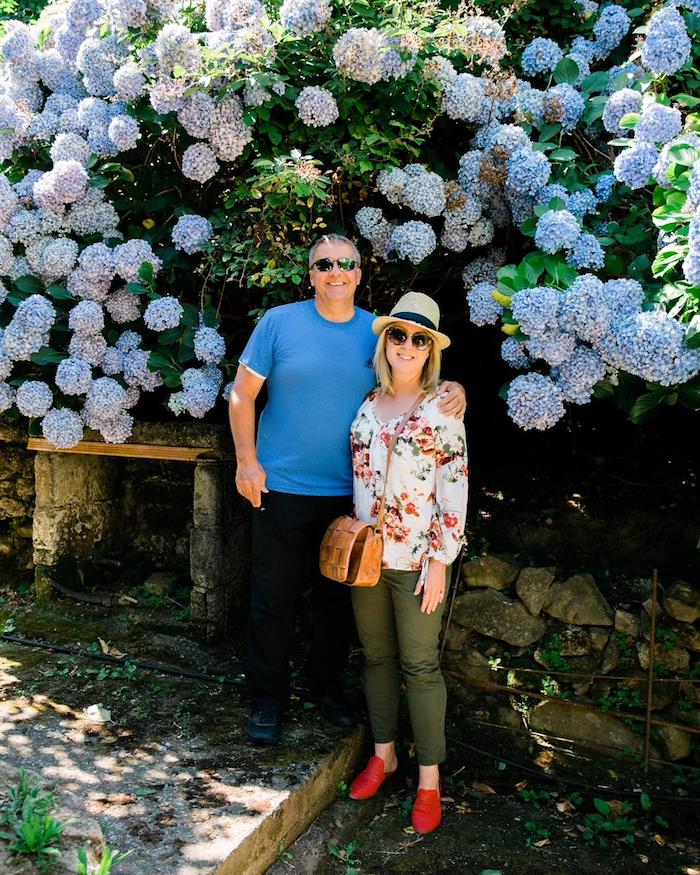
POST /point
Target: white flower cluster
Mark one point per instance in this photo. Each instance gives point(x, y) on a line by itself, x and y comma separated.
point(191, 233)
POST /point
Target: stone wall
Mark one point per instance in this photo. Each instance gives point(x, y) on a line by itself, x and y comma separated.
point(16, 495)
point(580, 662)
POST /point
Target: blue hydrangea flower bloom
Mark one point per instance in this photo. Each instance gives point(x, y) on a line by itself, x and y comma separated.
point(610, 29)
point(554, 348)
point(536, 310)
point(483, 309)
point(534, 402)
point(413, 240)
point(619, 104)
point(658, 123)
point(541, 56)
point(163, 313)
point(577, 376)
point(563, 104)
point(63, 428)
point(34, 398)
point(191, 233)
point(604, 186)
point(303, 17)
point(633, 166)
point(555, 230)
point(584, 309)
point(586, 253)
point(513, 353)
point(667, 45)
point(528, 171)
point(582, 203)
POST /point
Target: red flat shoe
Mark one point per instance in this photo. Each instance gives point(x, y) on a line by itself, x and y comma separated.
point(427, 811)
point(370, 779)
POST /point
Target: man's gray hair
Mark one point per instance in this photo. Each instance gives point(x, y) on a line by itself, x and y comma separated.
point(333, 238)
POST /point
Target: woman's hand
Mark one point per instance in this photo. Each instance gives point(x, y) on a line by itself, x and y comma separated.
point(454, 399)
point(433, 587)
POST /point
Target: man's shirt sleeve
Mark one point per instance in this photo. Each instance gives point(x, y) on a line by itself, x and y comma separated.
point(258, 355)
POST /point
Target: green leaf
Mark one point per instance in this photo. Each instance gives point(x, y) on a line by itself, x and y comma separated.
point(28, 283)
point(686, 100)
point(692, 336)
point(682, 154)
point(629, 120)
point(143, 791)
point(58, 292)
point(158, 360)
point(566, 72)
point(547, 132)
point(602, 806)
point(563, 155)
point(48, 356)
point(642, 409)
point(645, 801)
point(190, 317)
point(595, 82)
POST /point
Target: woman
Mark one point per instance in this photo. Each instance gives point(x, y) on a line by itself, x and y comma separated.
point(399, 620)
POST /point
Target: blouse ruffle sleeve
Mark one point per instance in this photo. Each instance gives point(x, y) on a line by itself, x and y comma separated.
point(451, 491)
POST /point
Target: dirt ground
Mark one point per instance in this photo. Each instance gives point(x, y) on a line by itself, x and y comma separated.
point(173, 768)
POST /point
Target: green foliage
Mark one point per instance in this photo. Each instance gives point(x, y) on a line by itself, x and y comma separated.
point(539, 832)
point(110, 858)
point(537, 798)
point(550, 654)
point(27, 825)
point(622, 697)
point(606, 821)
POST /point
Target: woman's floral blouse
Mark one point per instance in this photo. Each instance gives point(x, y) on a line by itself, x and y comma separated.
point(426, 497)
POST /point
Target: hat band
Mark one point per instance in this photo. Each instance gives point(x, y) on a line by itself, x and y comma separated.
point(415, 317)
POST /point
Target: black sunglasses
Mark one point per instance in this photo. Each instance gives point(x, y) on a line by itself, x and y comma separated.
point(326, 264)
point(398, 337)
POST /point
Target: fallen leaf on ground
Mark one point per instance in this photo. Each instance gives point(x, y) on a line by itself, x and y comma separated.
point(483, 788)
point(542, 842)
point(564, 807)
point(409, 830)
point(659, 839)
point(644, 858)
point(463, 808)
point(446, 799)
point(144, 791)
point(521, 785)
point(110, 651)
point(116, 798)
point(544, 759)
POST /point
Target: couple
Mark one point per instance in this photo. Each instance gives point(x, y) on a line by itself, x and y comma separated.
point(319, 359)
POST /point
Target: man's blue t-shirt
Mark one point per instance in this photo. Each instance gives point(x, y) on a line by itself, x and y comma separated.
point(318, 373)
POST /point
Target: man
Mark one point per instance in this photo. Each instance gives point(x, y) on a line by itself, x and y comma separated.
point(316, 357)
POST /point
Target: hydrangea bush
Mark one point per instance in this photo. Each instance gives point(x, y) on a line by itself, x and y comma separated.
point(164, 167)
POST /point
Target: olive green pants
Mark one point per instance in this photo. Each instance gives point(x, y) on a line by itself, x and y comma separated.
point(397, 638)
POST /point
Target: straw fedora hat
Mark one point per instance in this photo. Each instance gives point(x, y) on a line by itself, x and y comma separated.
point(416, 309)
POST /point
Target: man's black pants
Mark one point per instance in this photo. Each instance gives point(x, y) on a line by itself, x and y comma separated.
point(287, 535)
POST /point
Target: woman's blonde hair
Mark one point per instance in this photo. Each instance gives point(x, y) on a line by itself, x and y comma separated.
point(431, 368)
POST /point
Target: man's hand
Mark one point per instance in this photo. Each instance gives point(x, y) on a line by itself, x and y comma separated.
point(434, 586)
point(250, 481)
point(454, 399)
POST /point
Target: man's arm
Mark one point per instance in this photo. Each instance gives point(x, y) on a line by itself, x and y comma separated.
point(454, 399)
point(250, 475)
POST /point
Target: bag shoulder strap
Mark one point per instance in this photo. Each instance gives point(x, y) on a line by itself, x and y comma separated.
point(400, 427)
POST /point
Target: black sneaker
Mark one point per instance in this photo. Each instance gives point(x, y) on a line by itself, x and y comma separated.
point(264, 726)
point(337, 712)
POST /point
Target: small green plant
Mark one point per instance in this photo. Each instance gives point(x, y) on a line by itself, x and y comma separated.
point(127, 671)
point(624, 646)
point(283, 854)
point(550, 654)
point(538, 833)
point(622, 697)
point(606, 821)
point(536, 798)
point(8, 626)
point(346, 854)
point(666, 638)
point(341, 789)
point(27, 825)
point(110, 858)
